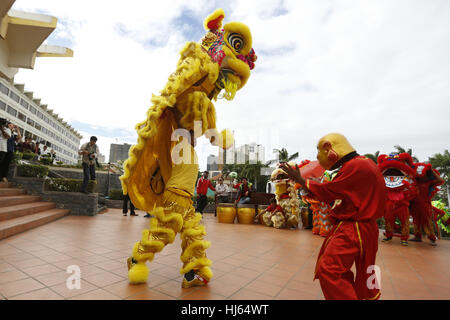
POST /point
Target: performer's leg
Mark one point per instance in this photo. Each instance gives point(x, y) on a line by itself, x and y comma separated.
point(417, 233)
point(267, 219)
point(405, 230)
point(334, 268)
point(389, 227)
point(195, 268)
point(163, 228)
point(429, 231)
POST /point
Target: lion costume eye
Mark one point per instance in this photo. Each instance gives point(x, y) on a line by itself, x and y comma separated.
point(236, 41)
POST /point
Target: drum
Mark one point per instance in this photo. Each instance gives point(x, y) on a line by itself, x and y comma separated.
point(260, 209)
point(246, 213)
point(226, 212)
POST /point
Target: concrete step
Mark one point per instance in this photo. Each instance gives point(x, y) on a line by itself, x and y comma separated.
point(5, 192)
point(15, 200)
point(26, 209)
point(17, 225)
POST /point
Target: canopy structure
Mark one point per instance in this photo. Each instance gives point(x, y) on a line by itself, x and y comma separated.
point(22, 35)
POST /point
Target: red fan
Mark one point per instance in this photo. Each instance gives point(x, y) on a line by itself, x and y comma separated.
point(312, 170)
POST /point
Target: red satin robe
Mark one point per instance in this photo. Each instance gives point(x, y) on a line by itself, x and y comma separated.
point(359, 195)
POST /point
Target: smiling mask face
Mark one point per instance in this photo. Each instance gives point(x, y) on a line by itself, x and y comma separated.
point(331, 148)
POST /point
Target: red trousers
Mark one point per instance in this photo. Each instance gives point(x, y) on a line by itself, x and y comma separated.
point(400, 211)
point(347, 243)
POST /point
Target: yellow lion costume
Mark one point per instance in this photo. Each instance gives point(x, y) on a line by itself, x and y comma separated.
point(287, 198)
point(154, 177)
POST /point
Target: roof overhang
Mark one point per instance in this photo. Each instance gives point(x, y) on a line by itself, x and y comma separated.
point(25, 32)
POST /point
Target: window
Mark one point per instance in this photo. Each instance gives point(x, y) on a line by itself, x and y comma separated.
point(4, 89)
point(37, 126)
point(2, 105)
point(33, 110)
point(12, 111)
point(24, 103)
point(30, 122)
point(14, 96)
point(22, 117)
point(40, 115)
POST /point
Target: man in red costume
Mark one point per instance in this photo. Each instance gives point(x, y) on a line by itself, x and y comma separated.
point(357, 195)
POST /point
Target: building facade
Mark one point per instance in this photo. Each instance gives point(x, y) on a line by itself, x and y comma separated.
point(251, 153)
point(118, 152)
point(21, 38)
point(37, 122)
point(212, 163)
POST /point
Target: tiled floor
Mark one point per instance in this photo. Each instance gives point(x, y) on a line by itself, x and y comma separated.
point(249, 262)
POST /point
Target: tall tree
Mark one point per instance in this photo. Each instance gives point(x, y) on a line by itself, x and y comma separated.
point(283, 156)
point(441, 162)
point(252, 171)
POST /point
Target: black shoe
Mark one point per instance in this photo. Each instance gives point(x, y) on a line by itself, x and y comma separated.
point(416, 239)
point(85, 192)
point(147, 216)
point(125, 214)
point(387, 239)
point(134, 214)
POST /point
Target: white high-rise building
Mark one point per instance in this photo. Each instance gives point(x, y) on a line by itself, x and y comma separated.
point(250, 152)
point(212, 163)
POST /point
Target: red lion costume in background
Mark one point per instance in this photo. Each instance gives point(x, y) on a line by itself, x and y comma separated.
point(399, 176)
point(423, 213)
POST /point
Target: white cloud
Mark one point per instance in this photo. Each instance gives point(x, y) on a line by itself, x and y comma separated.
point(376, 71)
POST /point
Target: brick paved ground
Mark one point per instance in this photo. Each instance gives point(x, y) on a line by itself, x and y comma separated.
point(249, 262)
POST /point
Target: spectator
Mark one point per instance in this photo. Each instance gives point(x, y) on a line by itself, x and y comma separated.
point(202, 189)
point(53, 155)
point(11, 148)
point(222, 191)
point(5, 134)
point(26, 145)
point(126, 200)
point(45, 152)
point(244, 192)
point(89, 152)
point(37, 150)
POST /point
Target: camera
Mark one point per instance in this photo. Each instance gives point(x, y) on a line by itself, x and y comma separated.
point(3, 122)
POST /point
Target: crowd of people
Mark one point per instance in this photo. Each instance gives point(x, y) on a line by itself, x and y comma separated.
point(11, 140)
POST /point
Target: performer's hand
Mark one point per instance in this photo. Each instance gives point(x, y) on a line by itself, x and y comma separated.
point(293, 174)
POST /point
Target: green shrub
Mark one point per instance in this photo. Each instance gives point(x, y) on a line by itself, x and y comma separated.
point(29, 170)
point(59, 162)
point(69, 185)
point(28, 155)
point(116, 194)
point(18, 155)
point(46, 160)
